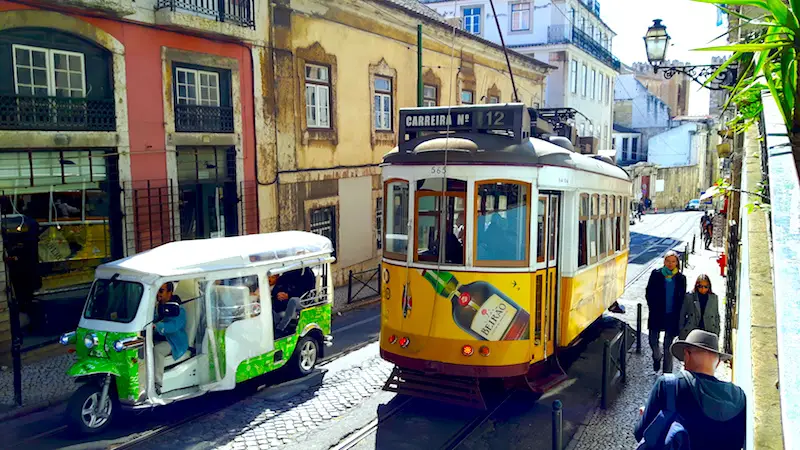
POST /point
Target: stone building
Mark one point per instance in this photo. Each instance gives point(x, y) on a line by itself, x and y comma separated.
point(672, 91)
point(635, 107)
point(341, 72)
point(123, 125)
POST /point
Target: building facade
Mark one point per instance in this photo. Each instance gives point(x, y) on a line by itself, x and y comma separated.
point(628, 145)
point(335, 108)
point(637, 108)
point(123, 125)
point(672, 91)
point(567, 34)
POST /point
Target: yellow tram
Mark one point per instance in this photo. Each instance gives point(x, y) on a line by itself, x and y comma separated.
point(499, 248)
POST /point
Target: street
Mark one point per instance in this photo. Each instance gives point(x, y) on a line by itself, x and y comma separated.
point(342, 405)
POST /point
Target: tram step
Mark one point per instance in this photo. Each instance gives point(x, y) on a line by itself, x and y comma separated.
point(458, 391)
point(547, 382)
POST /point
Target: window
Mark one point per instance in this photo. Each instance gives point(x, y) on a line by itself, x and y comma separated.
point(472, 20)
point(428, 95)
point(494, 99)
point(589, 30)
point(115, 301)
point(318, 85)
point(396, 195)
point(655, 111)
point(197, 87)
point(552, 229)
point(585, 78)
point(624, 149)
point(379, 222)
point(592, 84)
point(520, 16)
point(433, 205)
point(593, 252)
point(599, 87)
point(502, 223)
point(45, 72)
point(603, 216)
point(383, 103)
point(649, 101)
point(635, 149)
point(467, 97)
point(236, 299)
point(619, 217)
point(581, 22)
point(583, 220)
point(608, 89)
point(582, 129)
point(323, 223)
point(573, 76)
point(541, 228)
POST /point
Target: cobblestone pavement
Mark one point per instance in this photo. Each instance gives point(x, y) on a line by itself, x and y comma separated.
point(613, 428)
point(261, 423)
point(42, 382)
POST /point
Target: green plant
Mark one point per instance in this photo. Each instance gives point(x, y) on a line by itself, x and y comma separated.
point(762, 193)
point(768, 58)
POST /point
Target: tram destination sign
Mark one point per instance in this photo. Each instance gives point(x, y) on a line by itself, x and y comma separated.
point(507, 118)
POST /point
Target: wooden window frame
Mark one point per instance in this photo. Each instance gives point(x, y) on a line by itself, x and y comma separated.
point(594, 217)
point(328, 84)
point(387, 254)
point(434, 99)
point(417, 196)
point(543, 258)
point(383, 94)
point(461, 98)
point(604, 214)
point(584, 218)
point(502, 263)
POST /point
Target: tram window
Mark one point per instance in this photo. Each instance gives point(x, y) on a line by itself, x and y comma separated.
point(541, 210)
point(583, 219)
point(502, 223)
point(553, 228)
point(431, 200)
point(601, 225)
point(396, 220)
point(593, 229)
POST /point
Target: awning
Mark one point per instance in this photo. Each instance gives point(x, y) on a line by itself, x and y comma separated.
point(709, 193)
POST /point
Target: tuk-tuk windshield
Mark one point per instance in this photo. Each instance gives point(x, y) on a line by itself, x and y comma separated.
point(114, 300)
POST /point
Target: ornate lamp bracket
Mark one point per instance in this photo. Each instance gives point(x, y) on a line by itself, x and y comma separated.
point(700, 74)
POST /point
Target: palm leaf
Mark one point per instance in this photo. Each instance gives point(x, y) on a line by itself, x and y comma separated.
point(789, 78)
point(734, 13)
point(776, 93)
point(743, 47)
point(736, 56)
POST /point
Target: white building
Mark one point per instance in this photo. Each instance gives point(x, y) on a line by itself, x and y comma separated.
point(692, 142)
point(628, 145)
point(637, 108)
point(568, 34)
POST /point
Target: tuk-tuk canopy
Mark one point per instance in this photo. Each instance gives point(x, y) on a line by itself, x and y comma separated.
point(203, 255)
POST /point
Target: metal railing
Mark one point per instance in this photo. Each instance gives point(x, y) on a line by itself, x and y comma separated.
point(365, 282)
point(559, 34)
point(731, 286)
point(203, 119)
point(239, 12)
point(566, 34)
point(20, 112)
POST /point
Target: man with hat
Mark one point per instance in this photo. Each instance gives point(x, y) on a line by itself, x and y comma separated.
point(711, 411)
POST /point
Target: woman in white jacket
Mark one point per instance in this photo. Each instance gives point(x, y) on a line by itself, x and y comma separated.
point(700, 309)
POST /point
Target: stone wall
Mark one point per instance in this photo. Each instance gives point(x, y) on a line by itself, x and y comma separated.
point(681, 184)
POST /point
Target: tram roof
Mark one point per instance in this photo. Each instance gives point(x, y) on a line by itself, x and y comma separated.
point(485, 149)
point(202, 255)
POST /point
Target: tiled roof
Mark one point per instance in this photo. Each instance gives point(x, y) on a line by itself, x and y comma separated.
point(623, 129)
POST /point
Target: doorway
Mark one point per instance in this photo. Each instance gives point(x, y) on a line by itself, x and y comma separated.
point(546, 275)
point(208, 192)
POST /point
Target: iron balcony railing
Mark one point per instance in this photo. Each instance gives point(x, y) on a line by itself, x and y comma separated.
point(239, 12)
point(18, 112)
point(566, 34)
point(203, 119)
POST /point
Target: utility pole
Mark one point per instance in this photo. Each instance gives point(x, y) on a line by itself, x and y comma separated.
point(419, 66)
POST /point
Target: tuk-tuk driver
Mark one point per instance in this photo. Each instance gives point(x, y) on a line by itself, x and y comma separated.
point(173, 329)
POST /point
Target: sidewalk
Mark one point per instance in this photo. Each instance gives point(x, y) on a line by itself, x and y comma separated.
point(45, 382)
point(613, 428)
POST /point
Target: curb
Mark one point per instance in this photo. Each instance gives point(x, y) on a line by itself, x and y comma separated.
point(36, 407)
point(356, 305)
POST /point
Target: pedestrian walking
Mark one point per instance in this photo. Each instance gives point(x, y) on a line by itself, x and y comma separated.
point(665, 292)
point(694, 405)
point(700, 309)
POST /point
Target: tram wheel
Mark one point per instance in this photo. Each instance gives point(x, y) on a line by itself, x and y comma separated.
point(305, 357)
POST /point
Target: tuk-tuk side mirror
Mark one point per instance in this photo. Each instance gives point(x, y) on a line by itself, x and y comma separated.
point(169, 309)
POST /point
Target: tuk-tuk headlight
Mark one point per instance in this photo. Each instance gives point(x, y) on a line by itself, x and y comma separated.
point(67, 338)
point(90, 340)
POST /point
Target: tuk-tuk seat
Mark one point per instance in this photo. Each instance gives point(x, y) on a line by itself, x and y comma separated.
point(189, 302)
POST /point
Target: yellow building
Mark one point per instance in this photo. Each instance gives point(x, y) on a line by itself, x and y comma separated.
point(341, 70)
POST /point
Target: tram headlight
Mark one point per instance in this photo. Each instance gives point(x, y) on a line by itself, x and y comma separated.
point(67, 338)
point(90, 340)
point(467, 350)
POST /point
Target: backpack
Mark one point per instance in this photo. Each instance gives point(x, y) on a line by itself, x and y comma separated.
point(666, 431)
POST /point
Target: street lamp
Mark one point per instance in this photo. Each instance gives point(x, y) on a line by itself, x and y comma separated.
point(656, 43)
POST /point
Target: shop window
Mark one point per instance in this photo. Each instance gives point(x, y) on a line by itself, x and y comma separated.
point(583, 231)
point(501, 224)
point(435, 201)
point(318, 85)
point(323, 222)
point(396, 193)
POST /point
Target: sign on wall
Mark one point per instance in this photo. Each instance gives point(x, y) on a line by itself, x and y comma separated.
point(659, 185)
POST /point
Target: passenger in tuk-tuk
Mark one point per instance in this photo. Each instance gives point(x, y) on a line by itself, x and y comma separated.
point(287, 289)
point(169, 329)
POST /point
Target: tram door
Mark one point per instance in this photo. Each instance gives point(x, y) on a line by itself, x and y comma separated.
point(546, 278)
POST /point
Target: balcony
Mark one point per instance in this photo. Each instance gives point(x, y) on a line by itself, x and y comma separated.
point(568, 34)
point(203, 119)
point(115, 8)
point(19, 112)
point(236, 12)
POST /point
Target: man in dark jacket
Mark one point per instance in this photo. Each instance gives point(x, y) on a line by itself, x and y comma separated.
point(665, 292)
point(713, 412)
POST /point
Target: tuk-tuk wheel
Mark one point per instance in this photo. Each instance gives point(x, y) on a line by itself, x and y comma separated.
point(305, 356)
point(83, 413)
